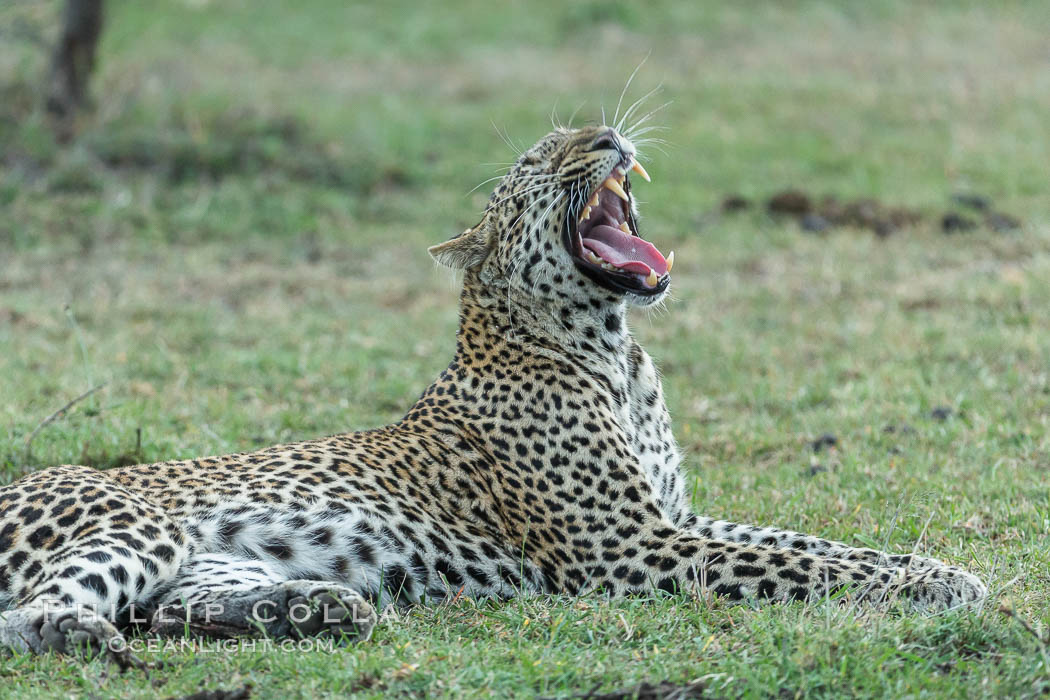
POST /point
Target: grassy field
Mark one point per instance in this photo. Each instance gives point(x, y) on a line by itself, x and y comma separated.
point(236, 246)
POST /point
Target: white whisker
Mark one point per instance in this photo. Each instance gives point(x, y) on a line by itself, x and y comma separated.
point(555, 201)
point(506, 139)
point(648, 115)
point(539, 177)
point(625, 87)
point(637, 103)
point(631, 135)
point(657, 144)
point(576, 111)
point(483, 182)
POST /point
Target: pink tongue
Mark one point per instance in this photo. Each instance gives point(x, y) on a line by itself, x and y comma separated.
point(625, 251)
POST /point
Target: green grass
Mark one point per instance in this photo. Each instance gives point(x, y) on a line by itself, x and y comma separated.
point(237, 245)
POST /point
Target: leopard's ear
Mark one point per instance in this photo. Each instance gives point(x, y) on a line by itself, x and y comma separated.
point(467, 250)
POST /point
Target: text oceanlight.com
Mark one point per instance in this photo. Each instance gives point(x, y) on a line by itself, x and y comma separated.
point(220, 646)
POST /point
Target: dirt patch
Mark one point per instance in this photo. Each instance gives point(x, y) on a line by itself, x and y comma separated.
point(814, 223)
point(972, 200)
point(831, 212)
point(735, 202)
point(1001, 223)
point(995, 220)
point(867, 213)
point(665, 690)
point(791, 202)
point(953, 222)
point(13, 317)
point(242, 693)
point(825, 441)
point(941, 413)
point(819, 215)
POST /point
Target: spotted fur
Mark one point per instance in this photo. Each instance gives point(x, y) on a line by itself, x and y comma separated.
point(541, 460)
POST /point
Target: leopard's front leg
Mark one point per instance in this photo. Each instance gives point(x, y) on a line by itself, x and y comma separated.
point(630, 528)
point(670, 559)
point(726, 531)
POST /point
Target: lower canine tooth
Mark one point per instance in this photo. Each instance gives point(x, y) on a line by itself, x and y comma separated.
point(652, 279)
point(586, 214)
point(594, 200)
point(624, 227)
point(670, 261)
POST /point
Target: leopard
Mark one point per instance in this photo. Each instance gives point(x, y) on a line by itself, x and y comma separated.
point(541, 461)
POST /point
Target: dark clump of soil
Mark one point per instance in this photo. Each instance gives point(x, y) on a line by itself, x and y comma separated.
point(954, 222)
point(972, 200)
point(814, 223)
point(367, 681)
point(791, 202)
point(868, 213)
point(242, 693)
point(815, 468)
point(1001, 223)
point(665, 690)
point(941, 413)
point(824, 441)
point(735, 202)
point(997, 221)
point(818, 216)
point(902, 217)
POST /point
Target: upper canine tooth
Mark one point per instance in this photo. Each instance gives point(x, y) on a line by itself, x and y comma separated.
point(616, 189)
point(586, 214)
point(624, 227)
point(594, 199)
point(652, 279)
point(637, 167)
point(670, 261)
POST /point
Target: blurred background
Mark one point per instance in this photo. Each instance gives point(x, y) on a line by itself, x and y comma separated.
point(230, 228)
point(228, 234)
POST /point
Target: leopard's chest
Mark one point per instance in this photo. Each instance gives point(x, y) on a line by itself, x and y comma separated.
point(635, 397)
point(651, 435)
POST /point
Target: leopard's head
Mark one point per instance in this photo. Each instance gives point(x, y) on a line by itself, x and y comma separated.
point(562, 226)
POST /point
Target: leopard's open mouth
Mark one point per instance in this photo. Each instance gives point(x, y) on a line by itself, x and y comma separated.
point(602, 238)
